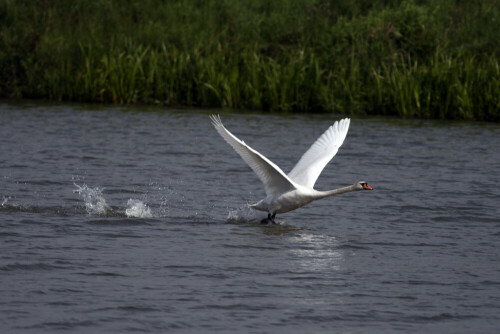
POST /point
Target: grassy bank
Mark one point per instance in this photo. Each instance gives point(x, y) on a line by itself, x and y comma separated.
point(429, 59)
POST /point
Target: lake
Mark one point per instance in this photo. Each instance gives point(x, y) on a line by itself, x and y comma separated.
point(135, 219)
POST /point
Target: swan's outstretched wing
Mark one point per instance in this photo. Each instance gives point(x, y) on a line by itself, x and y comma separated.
point(309, 167)
point(274, 179)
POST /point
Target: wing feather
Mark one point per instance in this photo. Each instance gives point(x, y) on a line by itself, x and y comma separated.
point(312, 163)
point(274, 179)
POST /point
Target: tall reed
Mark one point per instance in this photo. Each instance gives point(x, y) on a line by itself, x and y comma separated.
point(428, 59)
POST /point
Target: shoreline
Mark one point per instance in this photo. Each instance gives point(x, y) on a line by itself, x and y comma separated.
point(435, 60)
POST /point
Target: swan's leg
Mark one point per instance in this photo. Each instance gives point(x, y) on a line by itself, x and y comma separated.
point(270, 218)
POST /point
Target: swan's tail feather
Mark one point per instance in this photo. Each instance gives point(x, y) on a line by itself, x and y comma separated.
point(259, 206)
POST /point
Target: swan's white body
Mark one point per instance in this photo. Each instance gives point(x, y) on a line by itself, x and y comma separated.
point(294, 199)
point(289, 192)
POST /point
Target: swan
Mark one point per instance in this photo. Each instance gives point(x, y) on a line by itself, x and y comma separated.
point(285, 193)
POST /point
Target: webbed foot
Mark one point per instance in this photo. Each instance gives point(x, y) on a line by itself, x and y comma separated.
point(270, 218)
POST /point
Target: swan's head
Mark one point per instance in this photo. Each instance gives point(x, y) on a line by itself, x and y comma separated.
point(362, 185)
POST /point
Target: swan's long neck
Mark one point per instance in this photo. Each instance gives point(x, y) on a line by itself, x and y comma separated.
point(328, 193)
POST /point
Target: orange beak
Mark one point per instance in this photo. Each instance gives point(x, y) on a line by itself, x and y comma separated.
point(367, 187)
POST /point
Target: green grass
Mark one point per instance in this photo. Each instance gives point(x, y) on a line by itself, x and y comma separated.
point(425, 59)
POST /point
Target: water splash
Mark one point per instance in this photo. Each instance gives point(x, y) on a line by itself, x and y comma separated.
point(246, 214)
point(160, 193)
point(137, 209)
point(95, 204)
point(4, 200)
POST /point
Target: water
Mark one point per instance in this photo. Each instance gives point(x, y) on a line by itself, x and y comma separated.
point(115, 220)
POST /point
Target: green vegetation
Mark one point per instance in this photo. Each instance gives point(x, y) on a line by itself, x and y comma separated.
point(428, 59)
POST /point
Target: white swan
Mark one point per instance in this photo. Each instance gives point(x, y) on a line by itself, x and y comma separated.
point(289, 192)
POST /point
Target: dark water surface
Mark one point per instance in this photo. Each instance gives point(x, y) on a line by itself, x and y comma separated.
point(115, 220)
